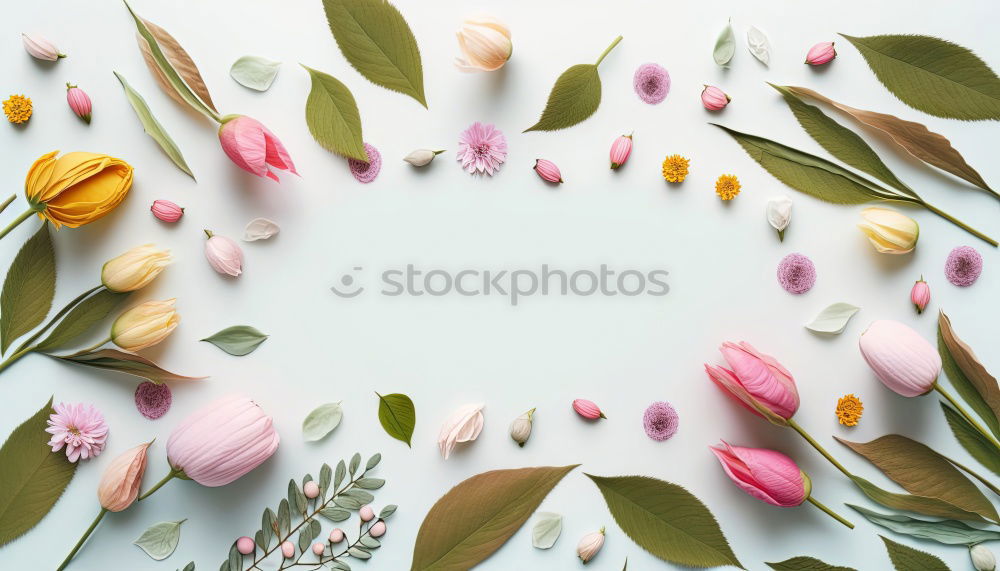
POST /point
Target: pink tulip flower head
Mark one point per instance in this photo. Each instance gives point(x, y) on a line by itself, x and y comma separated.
point(714, 99)
point(255, 149)
point(767, 475)
point(223, 254)
point(79, 102)
point(620, 150)
point(821, 53)
point(757, 381)
point(548, 171)
point(900, 357)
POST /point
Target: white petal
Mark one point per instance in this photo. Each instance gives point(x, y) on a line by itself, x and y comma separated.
point(260, 229)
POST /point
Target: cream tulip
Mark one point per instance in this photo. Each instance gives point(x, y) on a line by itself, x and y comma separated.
point(891, 232)
point(145, 325)
point(485, 45)
point(464, 425)
point(135, 268)
point(779, 214)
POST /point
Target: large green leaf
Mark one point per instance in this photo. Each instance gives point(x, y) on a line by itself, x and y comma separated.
point(153, 127)
point(805, 564)
point(974, 443)
point(477, 516)
point(28, 289)
point(377, 41)
point(81, 318)
point(906, 558)
point(968, 375)
point(666, 520)
point(948, 531)
point(397, 415)
point(333, 117)
point(914, 503)
point(122, 362)
point(933, 75)
point(32, 476)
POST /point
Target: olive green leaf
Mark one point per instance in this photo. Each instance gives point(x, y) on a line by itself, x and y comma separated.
point(333, 117)
point(546, 530)
point(33, 476)
point(575, 96)
point(972, 440)
point(377, 42)
point(666, 520)
point(81, 318)
point(153, 127)
point(805, 564)
point(914, 503)
point(933, 75)
point(833, 319)
point(28, 288)
point(237, 340)
point(948, 531)
point(122, 362)
point(160, 540)
point(397, 415)
point(254, 72)
point(968, 375)
point(322, 421)
point(725, 46)
point(908, 559)
point(479, 515)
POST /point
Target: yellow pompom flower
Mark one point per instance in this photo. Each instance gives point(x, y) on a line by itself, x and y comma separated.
point(849, 410)
point(17, 108)
point(727, 187)
point(675, 168)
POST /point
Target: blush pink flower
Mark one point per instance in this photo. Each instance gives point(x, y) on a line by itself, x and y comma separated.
point(767, 475)
point(964, 265)
point(255, 149)
point(482, 148)
point(464, 425)
point(651, 83)
point(366, 171)
point(80, 428)
point(153, 400)
point(900, 357)
point(757, 381)
point(660, 421)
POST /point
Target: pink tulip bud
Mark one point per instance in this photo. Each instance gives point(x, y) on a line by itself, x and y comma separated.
point(821, 53)
point(920, 295)
point(318, 548)
point(255, 149)
point(902, 359)
point(244, 545)
point(714, 99)
point(620, 150)
point(765, 474)
point(223, 254)
point(311, 489)
point(377, 530)
point(41, 48)
point(287, 550)
point(79, 102)
point(757, 381)
point(590, 545)
point(587, 409)
point(336, 535)
point(366, 513)
point(166, 211)
point(548, 170)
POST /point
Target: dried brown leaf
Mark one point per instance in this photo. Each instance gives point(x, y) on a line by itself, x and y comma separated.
point(984, 383)
point(181, 62)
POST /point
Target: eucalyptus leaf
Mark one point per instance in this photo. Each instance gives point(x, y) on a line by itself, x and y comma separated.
point(268, 523)
point(805, 564)
point(321, 421)
point(725, 46)
point(546, 530)
point(123, 362)
point(189, 566)
point(339, 474)
point(370, 483)
point(387, 511)
point(373, 461)
point(235, 560)
point(833, 319)
point(335, 514)
point(160, 540)
point(397, 415)
point(255, 72)
point(325, 478)
point(361, 496)
point(28, 288)
point(81, 318)
point(759, 45)
point(153, 127)
point(369, 542)
point(258, 539)
point(968, 375)
point(237, 340)
point(284, 518)
point(949, 531)
point(359, 553)
point(971, 440)
point(333, 118)
point(304, 540)
point(355, 463)
point(348, 502)
point(296, 498)
point(906, 558)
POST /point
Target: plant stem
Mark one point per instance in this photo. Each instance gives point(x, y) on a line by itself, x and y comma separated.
point(830, 512)
point(21, 218)
point(961, 410)
point(59, 315)
point(7, 202)
point(969, 471)
point(83, 539)
point(607, 51)
point(94, 347)
point(173, 474)
point(960, 224)
point(819, 448)
point(14, 357)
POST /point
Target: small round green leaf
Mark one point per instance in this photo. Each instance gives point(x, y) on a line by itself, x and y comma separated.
point(161, 539)
point(546, 530)
point(322, 421)
point(255, 72)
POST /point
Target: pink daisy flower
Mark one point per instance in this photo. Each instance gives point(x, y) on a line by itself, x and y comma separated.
point(80, 428)
point(482, 148)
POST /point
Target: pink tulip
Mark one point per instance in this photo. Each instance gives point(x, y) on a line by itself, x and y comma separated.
point(764, 474)
point(757, 381)
point(223, 254)
point(902, 359)
point(548, 170)
point(252, 147)
point(714, 99)
point(620, 150)
point(119, 485)
point(166, 211)
point(821, 53)
point(587, 409)
point(79, 102)
point(920, 295)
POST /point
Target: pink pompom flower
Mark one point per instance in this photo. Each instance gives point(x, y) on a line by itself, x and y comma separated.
point(660, 421)
point(79, 428)
point(253, 148)
point(363, 171)
point(166, 211)
point(153, 400)
point(482, 148)
point(588, 409)
point(963, 267)
point(651, 83)
point(548, 171)
point(79, 102)
point(796, 273)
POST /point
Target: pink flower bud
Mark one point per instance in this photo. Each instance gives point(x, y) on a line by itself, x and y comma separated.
point(311, 489)
point(166, 211)
point(920, 295)
point(548, 170)
point(377, 530)
point(224, 255)
point(821, 53)
point(764, 474)
point(589, 545)
point(587, 409)
point(714, 99)
point(119, 485)
point(287, 550)
point(318, 548)
point(336, 535)
point(253, 148)
point(620, 150)
point(900, 357)
point(79, 102)
point(41, 48)
point(366, 513)
point(244, 545)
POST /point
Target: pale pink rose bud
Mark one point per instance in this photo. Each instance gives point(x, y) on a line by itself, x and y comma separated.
point(119, 485)
point(336, 535)
point(40, 48)
point(366, 513)
point(248, 143)
point(311, 489)
point(287, 550)
point(902, 359)
point(821, 53)
point(377, 530)
point(548, 170)
point(223, 254)
point(764, 474)
point(245, 545)
point(166, 211)
point(464, 425)
point(318, 548)
point(587, 409)
point(714, 99)
point(79, 102)
point(589, 545)
point(620, 150)
point(920, 295)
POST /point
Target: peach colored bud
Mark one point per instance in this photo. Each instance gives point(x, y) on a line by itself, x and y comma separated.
point(336, 535)
point(548, 170)
point(377, 530)
point(166, 211)
point(587, 409)
point(902, 359)
point(821, 53)
point(79, 102)
point(40, 48)
point(366, 513)
point(287, 550)
point(920, 295)
point(589, 545)
point(714, 99)
point(311, 489)
point(318, 548)
point(119, 485)
point(223, 254)
point(145, 325)
point(620, 150)
point(464, 425)
point(245, 545)
point(485, 45)
point(134, 269)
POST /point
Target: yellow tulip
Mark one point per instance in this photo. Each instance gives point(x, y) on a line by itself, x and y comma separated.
point(134, 269)
point(76, 188)
point(145, 325)
point(890, 232)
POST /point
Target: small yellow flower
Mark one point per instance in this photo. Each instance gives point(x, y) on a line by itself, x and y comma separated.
point(17, 109)
point(849, 410)
point(675, 168)
point(727, 187)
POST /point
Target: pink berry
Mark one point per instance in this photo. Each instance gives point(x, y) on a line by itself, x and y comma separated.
point(377, 530)
point(287, 550)
point(311, 489)
point(337, 535)
point(366, 513)
point(318, 548)
point(244, 545)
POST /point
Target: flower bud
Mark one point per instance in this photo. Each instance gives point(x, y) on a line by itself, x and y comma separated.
point(318, 549)
point(520, 429)
point(223, 254)
point(589, 545)
point(40, 48)
point(119, 485)
point(902, 359)
point(145, 325)
point(920, 295)
point(587, 409)
point(287, 550)
point(620, 150)
point(821, 53)
point(548, 170)
point(779, 214)
point(79, 102)
point(464, 425)
point(134, 269)
point(377, 530)
point(889, 231)
point(336, 535)
point(982, 558)
point(714, 99)
point(166, 211)
point(367, 513)
point(421, 157)
point(244, 545)
point(485, 45)
point(311, 490)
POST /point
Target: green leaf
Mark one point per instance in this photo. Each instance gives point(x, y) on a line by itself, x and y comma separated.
point(122, 362)
point(81, 318)
point(235, 560)
point(387, 511)
point(546, 530)
point(153, 127)
point(373, 461)
point(361, 496)
point(480, 514)
point(369, 542)
point(339, 474)
point(325, 478)
point(974, 443)
point(161, 539)
point(833, 319)
point(348, 502)
point(968, 375)
point(189, 566)
point(28, 288)
point(914, 503)
point(255, 72)
point(909, 559)
point(377, 42)
point(359, 553)
point(296, 499)
point(33, 476)
point(725, 46)
point(333, 118)
point(370, 483)
point(666, 520)
point(933, 75)
point(805, 564)
point(355, 463)
point(284, 518)
point(322, 421)
point(237, 340)
point(397, 415)
point(335, 514)
point(268, 521)
point(948, 531)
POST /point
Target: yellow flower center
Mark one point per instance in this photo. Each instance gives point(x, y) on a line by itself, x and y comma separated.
point(849, 410)
point(17, 108)
point(727, 187)
point(675, 168)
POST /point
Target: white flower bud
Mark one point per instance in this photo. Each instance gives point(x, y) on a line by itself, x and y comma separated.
point(520, 429)
point(590, 545)
point(421, 157)
point(40, 48)
point(779, 213)
point(982, 558)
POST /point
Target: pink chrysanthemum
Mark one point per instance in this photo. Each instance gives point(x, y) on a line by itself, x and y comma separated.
point(482, 148)
point(652, 83)
point(78, 427)
point(153, 400)
point(660, 421)
point(796, 273)
point(366, 171)
point(963, 266)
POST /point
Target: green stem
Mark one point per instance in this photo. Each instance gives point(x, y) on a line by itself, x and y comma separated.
point(960, 224)
point(961, 410)
point(969, 471)
point(80, 543)
point(21, 218)
point(819, 448)
point(14, 357)
point(607, 51)
point(173, 474)
point(59, 315)
point(94, 347)
point(830, 512)
point(7, 202)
